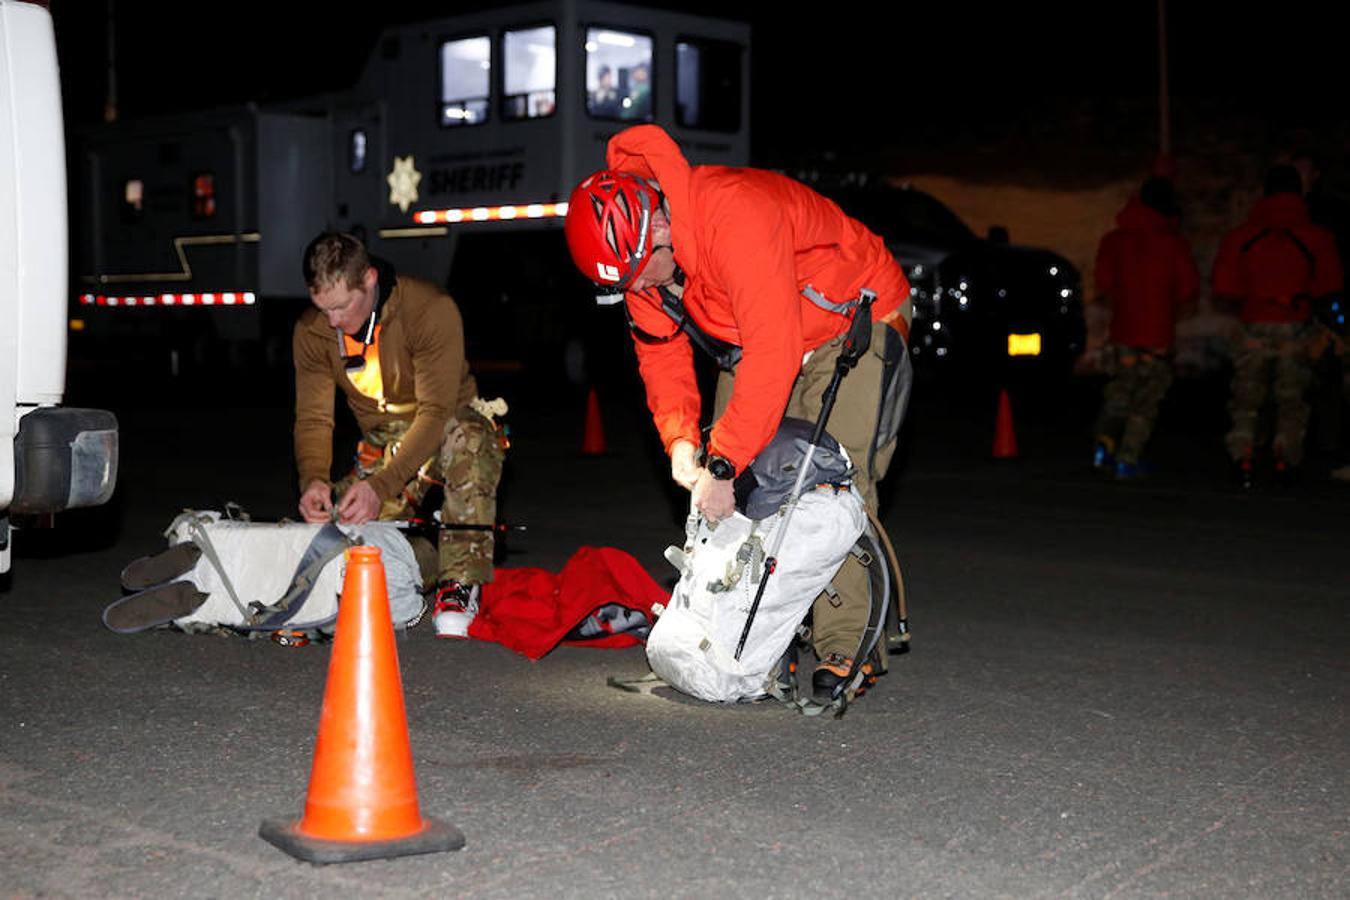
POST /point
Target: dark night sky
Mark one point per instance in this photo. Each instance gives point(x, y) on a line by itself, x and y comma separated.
point(943, 65)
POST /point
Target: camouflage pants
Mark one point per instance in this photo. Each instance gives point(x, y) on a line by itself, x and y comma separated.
point(468, 468)
point(1139, 379)
point(1266, 349)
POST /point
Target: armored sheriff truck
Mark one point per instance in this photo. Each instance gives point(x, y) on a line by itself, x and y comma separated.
point(452, 157)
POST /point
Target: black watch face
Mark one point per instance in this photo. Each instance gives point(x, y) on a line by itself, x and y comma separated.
point(721, 469)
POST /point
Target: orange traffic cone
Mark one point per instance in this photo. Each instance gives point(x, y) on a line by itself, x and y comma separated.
point(1005, 440)
point(362, 801)
point(593, 441)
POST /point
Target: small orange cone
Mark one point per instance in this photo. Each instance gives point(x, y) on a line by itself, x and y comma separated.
point(1005, 440)
point(362, 801)
point(593, 440)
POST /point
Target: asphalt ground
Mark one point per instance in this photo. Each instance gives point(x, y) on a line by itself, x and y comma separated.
point(1115, 690)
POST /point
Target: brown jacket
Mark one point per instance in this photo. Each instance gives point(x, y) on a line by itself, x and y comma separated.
point(422, 361)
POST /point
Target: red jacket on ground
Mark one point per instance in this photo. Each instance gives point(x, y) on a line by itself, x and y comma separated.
point(1146, 271)
point(1276, 262)
point(748, 241)
point(532, 610)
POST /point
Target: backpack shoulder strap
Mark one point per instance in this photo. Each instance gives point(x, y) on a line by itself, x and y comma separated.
point(196, 528)
point(1293, 239)
point(326, 546)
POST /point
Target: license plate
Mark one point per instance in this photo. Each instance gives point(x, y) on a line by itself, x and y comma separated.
point(1024, 345)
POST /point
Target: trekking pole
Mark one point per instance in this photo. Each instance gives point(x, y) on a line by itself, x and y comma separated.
point(431, 526)
point(856, 342)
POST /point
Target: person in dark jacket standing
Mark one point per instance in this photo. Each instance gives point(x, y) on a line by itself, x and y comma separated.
point(1273, 268)
point(1147, 276)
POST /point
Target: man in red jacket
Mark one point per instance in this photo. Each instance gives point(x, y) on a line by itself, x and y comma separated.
point(1145, 274)
point(763, 272)
point(1272, 268)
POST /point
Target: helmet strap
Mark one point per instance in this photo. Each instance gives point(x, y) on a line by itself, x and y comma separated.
point(644, 230)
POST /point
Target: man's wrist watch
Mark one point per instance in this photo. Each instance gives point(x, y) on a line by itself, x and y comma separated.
point(720, 467)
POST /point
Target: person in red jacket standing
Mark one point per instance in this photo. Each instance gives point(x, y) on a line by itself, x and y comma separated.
point(1146, 275)
point(1272, 268)
point(763, 272)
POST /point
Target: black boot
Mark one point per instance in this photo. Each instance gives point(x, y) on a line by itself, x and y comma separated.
point(831, 673)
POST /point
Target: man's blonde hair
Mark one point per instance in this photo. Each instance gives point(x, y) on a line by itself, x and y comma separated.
point(335, 257)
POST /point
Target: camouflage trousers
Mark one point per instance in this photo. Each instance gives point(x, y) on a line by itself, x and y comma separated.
point(1138, 381)
point(1266, 351)
point(467, 468)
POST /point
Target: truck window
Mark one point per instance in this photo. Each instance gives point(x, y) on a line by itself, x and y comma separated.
point(708, 84)
point(133, 200)
point(356, 151)
point(529, 72)
point(466, 67)
point(203, 195)
point(618, 75)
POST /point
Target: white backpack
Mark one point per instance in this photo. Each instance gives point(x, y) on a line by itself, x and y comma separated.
point(692, 646)
point(261, 577)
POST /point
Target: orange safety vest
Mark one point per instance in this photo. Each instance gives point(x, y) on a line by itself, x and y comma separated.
point(367, 378)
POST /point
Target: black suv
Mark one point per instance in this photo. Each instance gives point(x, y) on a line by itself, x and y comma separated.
point(982, 306)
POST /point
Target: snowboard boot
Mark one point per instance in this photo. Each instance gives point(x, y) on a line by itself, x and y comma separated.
point(153, 607)
point(158, 568)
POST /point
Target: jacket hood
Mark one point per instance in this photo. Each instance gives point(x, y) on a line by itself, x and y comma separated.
point(1138, 214)
point(648, 152)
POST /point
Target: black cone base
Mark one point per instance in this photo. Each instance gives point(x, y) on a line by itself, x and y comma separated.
point(435, 837)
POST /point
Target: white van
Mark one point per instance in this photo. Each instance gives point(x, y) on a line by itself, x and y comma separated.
point(51, 458)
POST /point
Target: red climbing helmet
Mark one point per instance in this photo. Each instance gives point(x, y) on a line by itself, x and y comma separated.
point(608, 227)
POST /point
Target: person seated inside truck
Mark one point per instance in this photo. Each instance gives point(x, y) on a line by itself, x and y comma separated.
point(394, 346)
point(638, 103)
point(752, 262)
point(604, 99)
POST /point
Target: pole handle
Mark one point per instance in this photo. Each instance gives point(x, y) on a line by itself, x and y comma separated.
point(859, 337)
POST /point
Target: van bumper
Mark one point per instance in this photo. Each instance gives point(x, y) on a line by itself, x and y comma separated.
point(64, 458)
